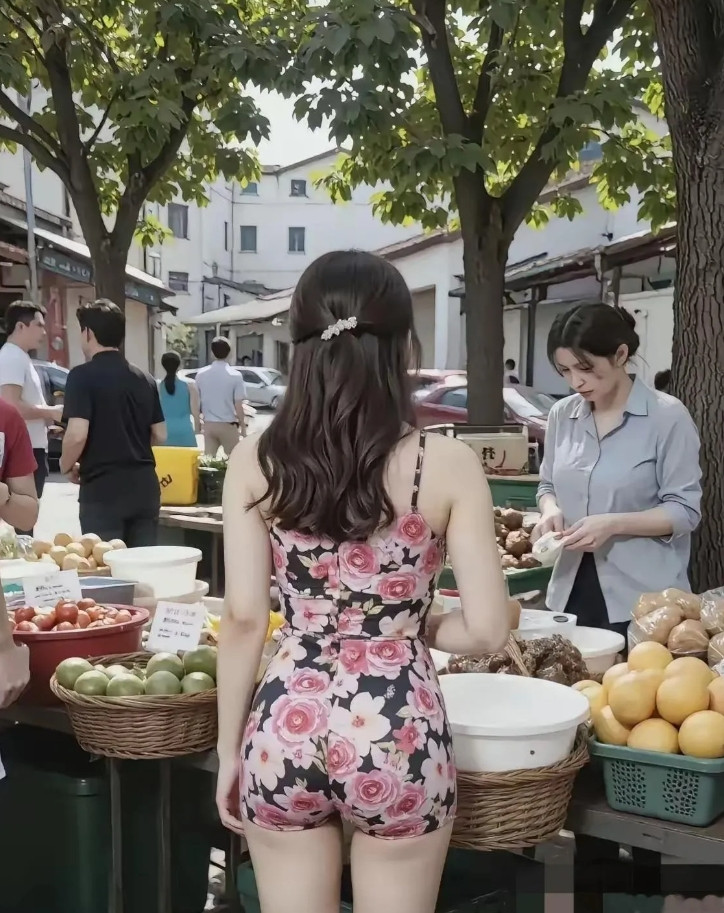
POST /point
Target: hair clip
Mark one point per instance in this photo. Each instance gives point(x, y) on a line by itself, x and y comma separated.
point(334, 329)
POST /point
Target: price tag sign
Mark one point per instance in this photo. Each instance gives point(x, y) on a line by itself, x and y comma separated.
point(176, 627)
point(47, 591)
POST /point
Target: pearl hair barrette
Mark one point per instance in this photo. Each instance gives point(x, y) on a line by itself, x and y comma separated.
point(340, 326)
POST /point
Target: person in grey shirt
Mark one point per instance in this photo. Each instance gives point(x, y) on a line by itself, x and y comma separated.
point(222, 393)
point(620, 478)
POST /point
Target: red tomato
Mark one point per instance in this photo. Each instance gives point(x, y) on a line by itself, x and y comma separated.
point(83, 619)
point(25, 614)
point(68, 611)
point(45, 621)
point(26, 626)
point(95, 614)
point(86, 604)
point(123, 616)
point(64, 626)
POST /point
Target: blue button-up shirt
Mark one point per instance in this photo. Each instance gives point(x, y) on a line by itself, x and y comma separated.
point(650, 460)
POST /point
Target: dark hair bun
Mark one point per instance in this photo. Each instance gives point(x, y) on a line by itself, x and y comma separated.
point(626, 316)
point(594, 329)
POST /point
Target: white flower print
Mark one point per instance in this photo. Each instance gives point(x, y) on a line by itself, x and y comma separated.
point(435, 770)
point(285, 660)
point(401, 624)
point(302, 754)
point(266, 759)
point(363, 723)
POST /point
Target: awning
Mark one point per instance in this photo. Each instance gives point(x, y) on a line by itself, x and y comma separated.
point(72, 259)
point(258, 310)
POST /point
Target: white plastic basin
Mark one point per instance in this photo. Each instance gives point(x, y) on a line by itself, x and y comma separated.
point(166, 569)
point(440, 659)
point(508, 722)
point(536, 623)
point(598, 646)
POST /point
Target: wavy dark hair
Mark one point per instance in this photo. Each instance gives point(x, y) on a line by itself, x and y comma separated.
point(348, 402)
point(170, 362)
point(593, 329)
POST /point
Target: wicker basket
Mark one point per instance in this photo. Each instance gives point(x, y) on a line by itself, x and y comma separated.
point(146, 727)
point(517, 808)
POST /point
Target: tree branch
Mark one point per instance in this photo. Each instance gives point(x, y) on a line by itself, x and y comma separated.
point(442, 71)
point(24, 16)
point(42, 155)
point(484, 90)
point(27, 123)
point(88, 145)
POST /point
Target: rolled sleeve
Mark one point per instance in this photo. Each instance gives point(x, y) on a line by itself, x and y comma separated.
point(679, 474)
point(545, 486)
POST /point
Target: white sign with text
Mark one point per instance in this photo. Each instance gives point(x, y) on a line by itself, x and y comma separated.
point(48, 591)
point(176, 627)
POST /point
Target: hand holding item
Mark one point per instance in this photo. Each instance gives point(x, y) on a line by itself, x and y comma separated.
point(551, 521)
point(590, 533)
point(14, 673)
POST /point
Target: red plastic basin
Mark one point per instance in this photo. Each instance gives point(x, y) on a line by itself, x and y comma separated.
point(48, 648)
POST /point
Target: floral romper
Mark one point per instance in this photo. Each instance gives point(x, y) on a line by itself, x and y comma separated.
point(348, 719)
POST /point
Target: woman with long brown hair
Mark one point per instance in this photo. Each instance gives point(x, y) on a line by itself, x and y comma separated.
point(352, 509)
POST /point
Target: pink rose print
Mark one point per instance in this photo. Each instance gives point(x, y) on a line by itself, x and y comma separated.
point(308, 681)
point(397, 586)
point(325, 568)
point(411, 737)
point(296, 719)
point(387, 657)
point(373, 792)
point(279, 557)
point(300, 541)
point(252, 724)
point(412, 529)
point(410, 801)
point(342, 758)
point(349, 622)
point(302, 804)
point(412, 828)
point(266, 815)
point(353, 657)
point(432, 558)
point(358, 562)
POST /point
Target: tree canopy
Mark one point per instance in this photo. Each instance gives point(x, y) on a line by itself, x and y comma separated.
point(136, 101)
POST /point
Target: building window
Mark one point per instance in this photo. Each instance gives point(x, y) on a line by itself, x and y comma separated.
point(178, 282)
point(250, 190)
point(299, 188)
point(591, 152)
point(226, 235)
point(248, 239)
point(178, 220)
point(297, 240)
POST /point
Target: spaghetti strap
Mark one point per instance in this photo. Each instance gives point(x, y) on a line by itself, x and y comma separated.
point(418, 470)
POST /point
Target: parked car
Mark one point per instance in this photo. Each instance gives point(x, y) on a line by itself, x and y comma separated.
point(427, 378)
point(190, 374)
point(53, 378)
point(447, 403)
point(264, 386)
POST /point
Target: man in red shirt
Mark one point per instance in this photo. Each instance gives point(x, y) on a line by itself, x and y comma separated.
point(18, 507)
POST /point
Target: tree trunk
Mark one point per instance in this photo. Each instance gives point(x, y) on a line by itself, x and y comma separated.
point(692, 66)
point(109, 276)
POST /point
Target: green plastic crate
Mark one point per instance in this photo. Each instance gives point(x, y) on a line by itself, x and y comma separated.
point(518, 493)
point(665, 786)
point(527, 581)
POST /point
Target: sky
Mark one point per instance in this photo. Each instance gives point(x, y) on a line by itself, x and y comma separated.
point(290, 141)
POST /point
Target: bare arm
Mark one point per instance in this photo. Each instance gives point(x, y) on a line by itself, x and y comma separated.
point(159, 434)
point(14, 660)
point(246, 616)
point(195, 406)
point(21, 507)
point(240, 415)
point(74, 442)
point(482, 624)
point(13, 394)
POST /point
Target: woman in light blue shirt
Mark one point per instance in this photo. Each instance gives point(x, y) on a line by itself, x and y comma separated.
point(620, 478)
point(180, 404)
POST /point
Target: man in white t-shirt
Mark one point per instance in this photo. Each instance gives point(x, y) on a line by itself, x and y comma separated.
point(222, 393)
point(20, 383)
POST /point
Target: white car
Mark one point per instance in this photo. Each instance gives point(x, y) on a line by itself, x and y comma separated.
point(249, 410)
point(264, 386)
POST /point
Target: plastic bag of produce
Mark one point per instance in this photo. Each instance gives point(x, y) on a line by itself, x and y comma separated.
point(8, 542)
point(712, 611)
point(657, 625)
point(715, 654)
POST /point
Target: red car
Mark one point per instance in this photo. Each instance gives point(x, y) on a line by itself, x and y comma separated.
point(426, 378)
point(447, 403)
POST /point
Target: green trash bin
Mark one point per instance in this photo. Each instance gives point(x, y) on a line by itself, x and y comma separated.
point(55, 835)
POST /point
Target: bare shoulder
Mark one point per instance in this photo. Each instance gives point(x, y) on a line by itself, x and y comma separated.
point(455, 462)
point(244, 465)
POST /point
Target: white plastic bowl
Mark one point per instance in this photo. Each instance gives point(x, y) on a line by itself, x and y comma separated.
point(535, 623)
point(440, 659)
point(509, 722)
point(598, 646)
point(167, 569)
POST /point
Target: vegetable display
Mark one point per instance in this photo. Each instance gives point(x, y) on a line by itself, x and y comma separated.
point(554, 659)
point(67, 616)
point(513, 534)
point(85, 554)
point(686, 624)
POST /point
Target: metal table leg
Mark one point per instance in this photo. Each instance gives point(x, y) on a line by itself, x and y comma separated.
point(163, 833)
point(115, 903)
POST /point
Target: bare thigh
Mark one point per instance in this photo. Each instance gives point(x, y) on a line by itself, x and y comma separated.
point(401, 875)
point(297, 871)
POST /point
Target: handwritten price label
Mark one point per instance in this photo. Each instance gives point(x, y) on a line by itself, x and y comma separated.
point(176, 627)
point(47, 591)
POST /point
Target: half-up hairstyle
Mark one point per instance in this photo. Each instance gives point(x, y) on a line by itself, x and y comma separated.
point(348, 402)
point(593, 329)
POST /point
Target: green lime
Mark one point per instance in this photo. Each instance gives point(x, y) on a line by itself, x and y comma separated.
point(196, 682)
point(125, 685)
point(163, 683)
point(70, 670)
point(92, 683)
point(165, 662)
point(202, 659)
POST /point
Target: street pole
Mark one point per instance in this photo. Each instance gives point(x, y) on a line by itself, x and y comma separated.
point(24, 102)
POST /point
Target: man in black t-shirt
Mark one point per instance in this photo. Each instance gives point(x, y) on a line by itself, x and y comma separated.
point(114, 417)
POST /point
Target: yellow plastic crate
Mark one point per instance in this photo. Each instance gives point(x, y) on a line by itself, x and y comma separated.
point(177, 469)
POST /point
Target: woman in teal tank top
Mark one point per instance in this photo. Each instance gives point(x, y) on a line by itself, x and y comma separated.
point(180, 404)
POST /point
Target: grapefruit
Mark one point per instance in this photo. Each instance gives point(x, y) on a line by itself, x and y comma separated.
point(632, 698)
point(716, 695)
point(680, 696)
point(649, 655)
point(615, 672)
point(92, 683)
point(165, 662)
point(691, 667)
point(196, 682)
point(596, 696)
point(163, 683)
point(70, 670)
point(202, 659)
point(655, 735)
point(608, 729)
point(125, 685)
point(586, 683)
point(702, 735)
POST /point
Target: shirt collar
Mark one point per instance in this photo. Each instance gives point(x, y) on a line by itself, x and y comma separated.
point(636, 404)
